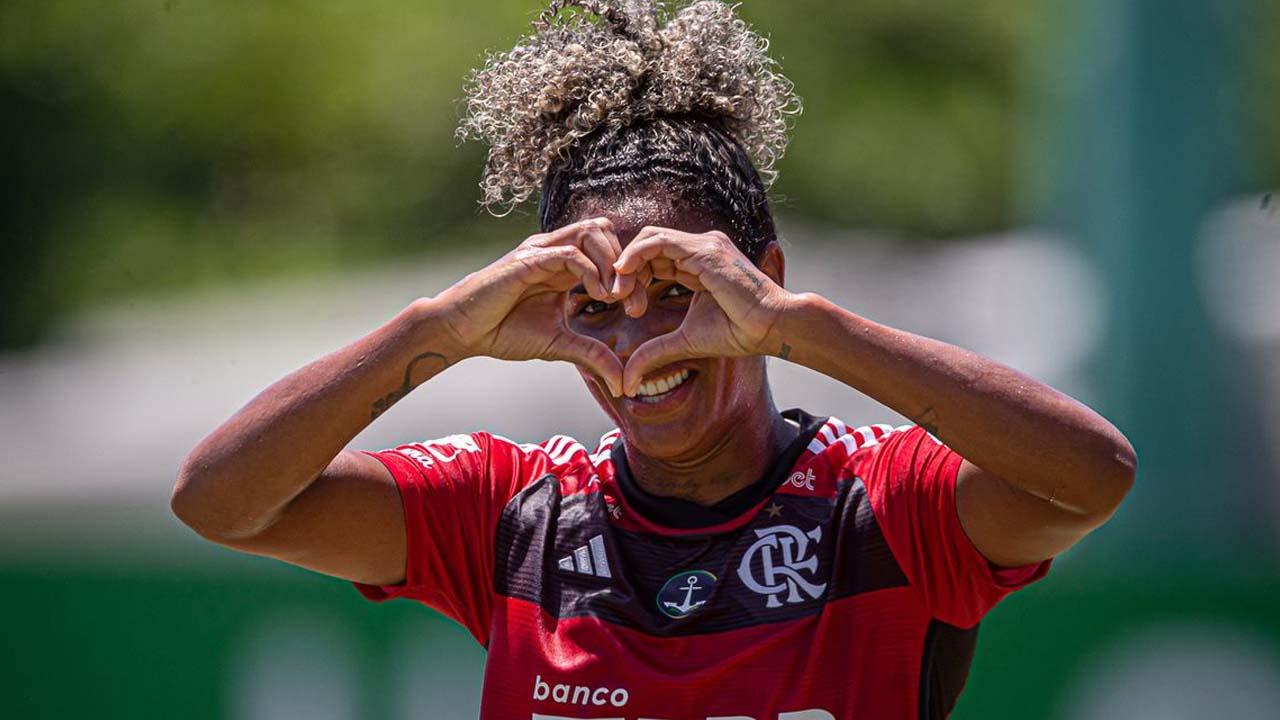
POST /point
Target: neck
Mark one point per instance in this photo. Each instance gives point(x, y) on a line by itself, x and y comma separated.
point(710, 473)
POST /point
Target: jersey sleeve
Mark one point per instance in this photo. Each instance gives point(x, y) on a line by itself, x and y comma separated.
point(911, 482)
point(453, 491)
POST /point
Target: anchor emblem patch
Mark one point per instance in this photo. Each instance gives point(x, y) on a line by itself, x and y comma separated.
point(682, 594)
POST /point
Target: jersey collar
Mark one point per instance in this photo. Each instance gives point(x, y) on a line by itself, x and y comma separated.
point(686, 515)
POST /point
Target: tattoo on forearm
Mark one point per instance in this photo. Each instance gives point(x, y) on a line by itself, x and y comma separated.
point(755, 280)
point(929, 421)
point(384, 404)
point(785, 352)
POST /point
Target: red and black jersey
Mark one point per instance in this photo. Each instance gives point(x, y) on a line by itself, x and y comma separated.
point(841, 585)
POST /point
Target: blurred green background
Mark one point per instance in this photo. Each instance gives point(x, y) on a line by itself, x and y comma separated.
point(165, 157)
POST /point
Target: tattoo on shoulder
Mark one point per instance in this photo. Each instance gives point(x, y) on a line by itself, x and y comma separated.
point(384, 403)
point(928, 420)
point(755, 279)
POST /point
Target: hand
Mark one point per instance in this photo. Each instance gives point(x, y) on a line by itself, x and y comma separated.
point(734, 309)
point(513, 309)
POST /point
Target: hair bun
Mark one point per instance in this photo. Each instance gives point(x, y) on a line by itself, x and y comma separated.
point(593, 64)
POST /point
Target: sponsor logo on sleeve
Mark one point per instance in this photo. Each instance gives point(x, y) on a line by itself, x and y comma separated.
point(443, 450)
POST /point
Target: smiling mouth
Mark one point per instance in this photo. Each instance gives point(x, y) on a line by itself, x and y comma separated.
point(656, 390)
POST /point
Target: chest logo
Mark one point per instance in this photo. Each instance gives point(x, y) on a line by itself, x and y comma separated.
point(681, 595)
point(774, 564)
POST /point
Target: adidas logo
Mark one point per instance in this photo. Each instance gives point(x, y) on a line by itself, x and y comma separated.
point(588, 559)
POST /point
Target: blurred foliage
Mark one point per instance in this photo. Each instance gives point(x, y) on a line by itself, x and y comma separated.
point(1261, 23)
point(173, 144)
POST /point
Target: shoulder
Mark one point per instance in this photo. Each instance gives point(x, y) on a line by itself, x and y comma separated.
point(837, 442)
point(575, 464)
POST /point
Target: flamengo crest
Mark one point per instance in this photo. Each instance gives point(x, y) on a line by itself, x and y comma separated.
point(772, 565)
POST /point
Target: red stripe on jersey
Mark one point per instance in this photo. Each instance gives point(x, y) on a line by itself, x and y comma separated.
point(860, 658)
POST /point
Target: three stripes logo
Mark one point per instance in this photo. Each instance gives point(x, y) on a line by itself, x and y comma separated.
point(589, 559)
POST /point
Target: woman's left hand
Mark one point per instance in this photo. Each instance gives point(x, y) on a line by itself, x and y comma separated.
point(734, 310)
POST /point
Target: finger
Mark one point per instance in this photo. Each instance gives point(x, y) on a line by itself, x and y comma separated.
point(566, 235)
point(653, 354)
point(568, 260)
point(593, 236)
point(593, 355)
point(636, 302)
point(599, 244)
point(652, 243)
point(693, 282)
point(612, 235)
point(624, 285)
point(663, 268)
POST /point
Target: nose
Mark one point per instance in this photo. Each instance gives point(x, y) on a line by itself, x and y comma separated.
point(626, 334)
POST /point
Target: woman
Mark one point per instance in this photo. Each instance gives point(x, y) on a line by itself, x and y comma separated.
point(712, 557)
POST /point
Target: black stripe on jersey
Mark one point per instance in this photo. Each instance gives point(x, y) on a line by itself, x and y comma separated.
point(944, 668)
point(539, 526)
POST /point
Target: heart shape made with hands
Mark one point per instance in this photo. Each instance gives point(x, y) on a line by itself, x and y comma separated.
point(723, 318)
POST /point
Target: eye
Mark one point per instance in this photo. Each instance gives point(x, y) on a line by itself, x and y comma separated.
point(594, 307)
point(676, 290)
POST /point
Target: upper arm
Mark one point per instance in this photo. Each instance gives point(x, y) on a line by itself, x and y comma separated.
point(1012, 527)
point(912, 484)
point(348, 523)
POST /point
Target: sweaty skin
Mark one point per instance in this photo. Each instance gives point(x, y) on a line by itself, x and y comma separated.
point(629, 304)
point(724, 431)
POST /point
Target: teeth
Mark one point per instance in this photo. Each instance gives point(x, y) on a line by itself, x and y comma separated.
point(652, 390)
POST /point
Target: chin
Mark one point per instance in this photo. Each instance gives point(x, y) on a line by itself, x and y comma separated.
point(669, 418)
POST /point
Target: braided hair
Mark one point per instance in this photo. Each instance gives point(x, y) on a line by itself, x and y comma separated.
point(614, 96)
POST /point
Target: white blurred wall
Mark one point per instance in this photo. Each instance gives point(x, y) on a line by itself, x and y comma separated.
point(93, 427)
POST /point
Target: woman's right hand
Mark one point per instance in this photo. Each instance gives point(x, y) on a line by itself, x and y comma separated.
point(514, 308)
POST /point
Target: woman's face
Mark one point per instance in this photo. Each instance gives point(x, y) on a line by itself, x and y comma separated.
point(706, 397)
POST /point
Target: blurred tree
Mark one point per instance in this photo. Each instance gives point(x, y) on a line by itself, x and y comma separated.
point(173, 144)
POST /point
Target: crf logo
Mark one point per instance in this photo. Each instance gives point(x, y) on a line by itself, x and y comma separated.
point(778, 556)
point(803, 480)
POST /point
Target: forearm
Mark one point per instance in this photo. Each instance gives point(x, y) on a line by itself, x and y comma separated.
point(1024, 432)
point(237, 479)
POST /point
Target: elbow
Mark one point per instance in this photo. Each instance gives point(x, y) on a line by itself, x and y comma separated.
point(1116, 478)
point(1124, 467)
point(216, 506)
point(185, 502)
point(191, 503)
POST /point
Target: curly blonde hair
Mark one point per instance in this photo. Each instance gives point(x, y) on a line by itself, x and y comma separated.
point(595, 68)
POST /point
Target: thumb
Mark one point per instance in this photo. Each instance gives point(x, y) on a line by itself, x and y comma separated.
point(653, 354)
point(590, 354)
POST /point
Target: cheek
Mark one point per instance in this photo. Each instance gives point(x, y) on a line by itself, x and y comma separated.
point(742, 379)
point(600, 395)
point(592, 328)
